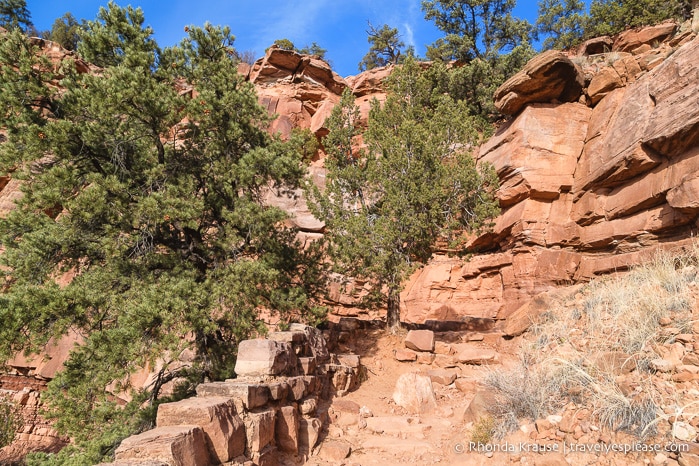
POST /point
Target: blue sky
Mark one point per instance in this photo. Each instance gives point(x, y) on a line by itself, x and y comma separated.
point(336, 25)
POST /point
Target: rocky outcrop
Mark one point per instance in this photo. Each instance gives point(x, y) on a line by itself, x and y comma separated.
point(586, 189)
point(548, 76)
point(269, 410)
point(598, 170)
point(300, 89)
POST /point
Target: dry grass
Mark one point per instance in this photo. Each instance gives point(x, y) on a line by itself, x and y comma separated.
point(483, 430)
point(579, 348)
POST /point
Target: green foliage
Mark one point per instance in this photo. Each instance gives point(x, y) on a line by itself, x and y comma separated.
point(488, 43)
point(155, 202)
point(562, 21)
point(613, 16)
point(15, 15)
point(117, 37)
point(285, 44)
point(415, 183)
point(474, 28)
point(65, 31)
point(385, 47)
point(313, 49)
point(475, 82)
point(110, 424)
point(9, 422)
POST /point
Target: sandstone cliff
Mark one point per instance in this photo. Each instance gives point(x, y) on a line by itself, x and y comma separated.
point(596, 165)
point(598, 168)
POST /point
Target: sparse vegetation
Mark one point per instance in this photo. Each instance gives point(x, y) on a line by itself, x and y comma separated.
point(9, 422)
point(483, 430)
point(600, 350)
point(313, 49)
point(385, 205)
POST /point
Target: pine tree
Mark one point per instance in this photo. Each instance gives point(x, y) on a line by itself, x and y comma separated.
point(65, 31)
point(385, 47)
point(489, 44)
point(15, 15)
point(415, 183)
point(315, 50)
point(154, 202)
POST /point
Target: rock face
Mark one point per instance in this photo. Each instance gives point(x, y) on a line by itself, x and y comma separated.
point(548, 76)
point(598, 168)
point(586, 189)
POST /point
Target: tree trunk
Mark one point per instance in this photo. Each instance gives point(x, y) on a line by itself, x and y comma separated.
point(393, 314)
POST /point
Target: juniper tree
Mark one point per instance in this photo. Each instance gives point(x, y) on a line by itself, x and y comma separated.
point(613, 16)
point(474, 28)
point(415, 183)
point(488, 43)
point(562, 22)
point(152, 200)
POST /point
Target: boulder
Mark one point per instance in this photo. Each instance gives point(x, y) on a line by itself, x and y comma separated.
point(334, 450)
point(181, 445)
point(309, 433)
point(650, 35)
point(405, 355)
point(264, 357)
point(287, 429)
point(414, 392)
point(316, 342)
point(480, 406)
point(251, 395)
point(259, 429)
point(519, 321)
point(269, 456)
point(615, 363)
point(297, 340)
point(477, 356)
point(550, 76)
point(442, 376)
point(216, 416)
point(420, 340)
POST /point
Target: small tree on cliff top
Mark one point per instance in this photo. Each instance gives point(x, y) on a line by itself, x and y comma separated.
point(153, 201)
point(385, 47)
point(387, 204)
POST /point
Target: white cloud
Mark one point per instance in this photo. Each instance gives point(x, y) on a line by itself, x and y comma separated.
point(409, 36)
